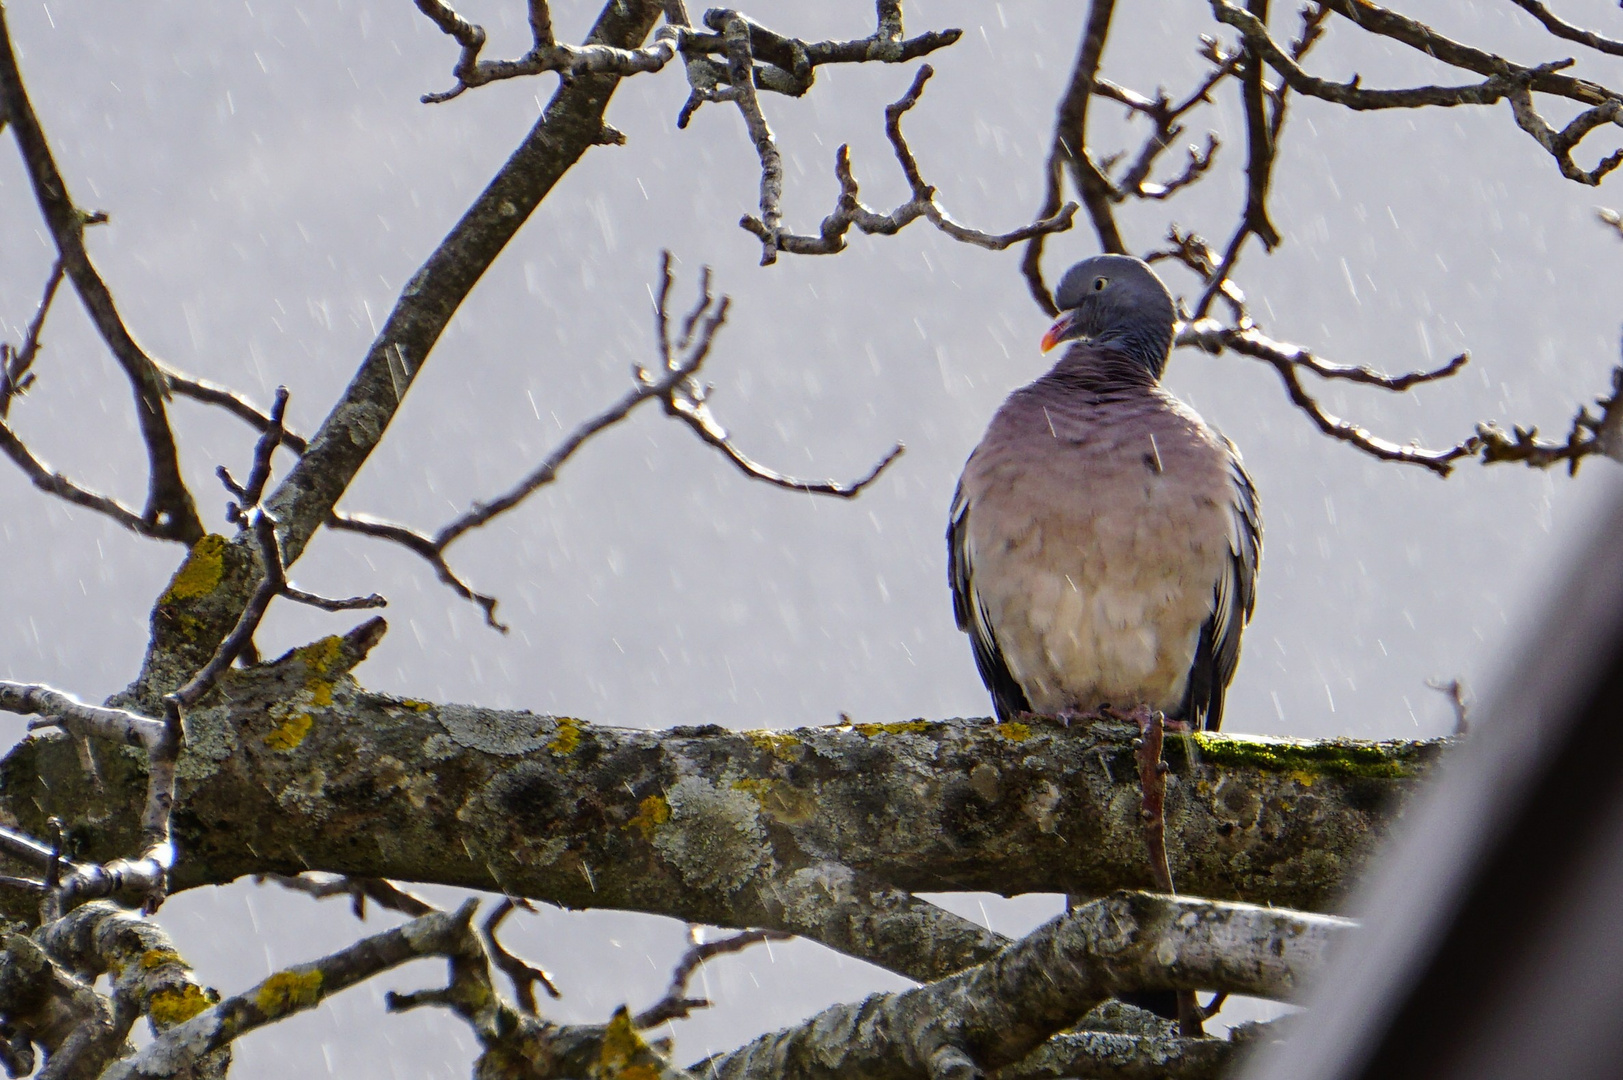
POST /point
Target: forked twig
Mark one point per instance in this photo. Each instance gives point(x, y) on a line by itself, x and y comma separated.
point(522, 975)
point(849, 210)
point(675, 1004)
point(673, 381)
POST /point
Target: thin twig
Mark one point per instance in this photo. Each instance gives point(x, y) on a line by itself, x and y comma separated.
point(1458, 699)
point(673, 382)
point(210, 393)
point(385, 894)
point(849, 210)
point(675, 1004)
point(522, 975)
point(15, 363)
point(55, 483)
point(740, 73)
point(270, 437)
point(348, 603)
point(423, 546)
point(1563, 29)
point(169, 512)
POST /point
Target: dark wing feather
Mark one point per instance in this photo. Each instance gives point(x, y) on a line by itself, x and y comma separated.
point(1007, 697)
point(1235, 595)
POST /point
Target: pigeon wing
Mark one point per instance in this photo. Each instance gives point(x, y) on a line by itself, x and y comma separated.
point(1234, 597)
point(1007, 697)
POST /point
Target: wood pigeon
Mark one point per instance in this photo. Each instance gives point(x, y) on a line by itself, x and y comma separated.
point(1104, 540)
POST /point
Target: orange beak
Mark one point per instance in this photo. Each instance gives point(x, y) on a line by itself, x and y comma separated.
point(1057, 332)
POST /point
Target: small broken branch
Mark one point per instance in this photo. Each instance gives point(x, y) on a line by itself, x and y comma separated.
point(270, 437)
point(1458, 699)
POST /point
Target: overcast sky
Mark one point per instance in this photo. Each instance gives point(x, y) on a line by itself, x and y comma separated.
point(273, 180)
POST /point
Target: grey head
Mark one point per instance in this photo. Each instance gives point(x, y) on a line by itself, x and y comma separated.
point(1115, 301)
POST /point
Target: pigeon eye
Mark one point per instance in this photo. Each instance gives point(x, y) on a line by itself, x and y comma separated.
point(1100, 283)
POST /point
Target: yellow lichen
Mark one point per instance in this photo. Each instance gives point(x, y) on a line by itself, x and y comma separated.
point(568, 738)
point(773, 742)
point(291, 732)
point(624, 1055)
point(414, 705)
point(158, 957)
point(200, 573)
point(1014, 731)
point(652, 812)
point(177, 1005)
point(288, 991)
point(185, 627)
point(320, 657)
point(900, 727)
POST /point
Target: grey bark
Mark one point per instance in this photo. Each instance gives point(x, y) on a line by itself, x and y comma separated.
point(823, 832)
point(998, 1012)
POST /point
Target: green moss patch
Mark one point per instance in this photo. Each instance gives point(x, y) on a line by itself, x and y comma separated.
point(1336, 757)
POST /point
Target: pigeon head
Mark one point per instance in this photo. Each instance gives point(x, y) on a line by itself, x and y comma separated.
point(1117, 301)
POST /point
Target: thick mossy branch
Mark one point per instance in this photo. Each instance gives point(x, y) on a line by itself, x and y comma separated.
point(823, 832)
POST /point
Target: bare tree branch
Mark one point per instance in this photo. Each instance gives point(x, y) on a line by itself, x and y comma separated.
point(1563, 29)
point(1560, 143)
point(293, 990)
point(1106, 1055)
point(210, 393)
point(996, 1013)
point(147, 974)
point(740, 68)
point(569, 126)
point(385, 894)
point(672, 381)
point(789, 63)
point(728, 828)
point(546, 55)
point(46, 1005)
point(15, 362)
point(524, 976)
point(55, 483)
point(170, 512)
point(676, 1005)
point(849, 211)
